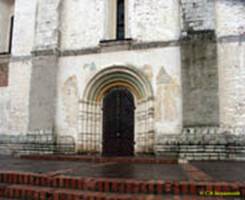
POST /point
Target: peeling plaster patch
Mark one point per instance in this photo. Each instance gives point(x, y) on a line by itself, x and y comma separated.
point(147, 69)
point(90, 66)
point(168, 91)
point(70, 103)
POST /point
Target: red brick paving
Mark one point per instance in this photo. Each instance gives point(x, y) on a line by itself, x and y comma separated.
point(52, 185)
point(118, 185)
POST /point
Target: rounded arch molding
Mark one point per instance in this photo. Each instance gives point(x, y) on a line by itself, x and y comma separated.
point(90, 113)
point(118, 76)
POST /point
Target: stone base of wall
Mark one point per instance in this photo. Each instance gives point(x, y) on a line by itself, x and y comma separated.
point(35, 142)
point(209, 143)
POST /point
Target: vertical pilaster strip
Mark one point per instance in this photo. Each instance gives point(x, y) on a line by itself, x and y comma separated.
point(230, 20)
point(45, 65)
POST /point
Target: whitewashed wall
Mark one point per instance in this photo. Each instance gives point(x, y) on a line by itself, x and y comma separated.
point(230, 21)
point(21, 66)
point(25, 14)
point(83, 21)
point(230, 17)
point(161, 66)
point(6, 11)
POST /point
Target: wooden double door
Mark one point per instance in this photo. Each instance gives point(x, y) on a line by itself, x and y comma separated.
point(118, 123)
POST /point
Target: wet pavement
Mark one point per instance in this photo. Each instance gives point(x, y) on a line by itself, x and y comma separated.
point(87, 169)
point(223, 170)
point(217, 171)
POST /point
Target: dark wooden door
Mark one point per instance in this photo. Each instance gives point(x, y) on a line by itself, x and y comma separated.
point(118, 123)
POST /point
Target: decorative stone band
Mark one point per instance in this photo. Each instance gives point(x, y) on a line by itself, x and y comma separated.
point(41, 141)
point(204, 143)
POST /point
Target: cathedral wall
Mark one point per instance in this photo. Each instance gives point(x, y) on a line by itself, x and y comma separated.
point(4, 94)
point(19, 68)
point(200, 81)
point(19, 88)
point(6, 11)
point(232, 88)
point(230, 20)
point(230, 17)
point(198, 15)
point(4, 108)
point(161, 66)
point(24, 26)
point(154, 20)
point(47, 27)
point(78, 33)
point(146, 21)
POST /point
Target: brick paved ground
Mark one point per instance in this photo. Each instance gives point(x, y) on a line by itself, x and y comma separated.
point(87, 169)
point(176, 181)
point(198, 170)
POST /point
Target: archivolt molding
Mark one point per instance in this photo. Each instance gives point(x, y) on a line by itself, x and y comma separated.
point(129, 77)
point(91, 118)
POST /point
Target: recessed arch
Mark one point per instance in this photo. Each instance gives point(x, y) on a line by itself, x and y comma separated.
point(130, 77)
point(91, 112)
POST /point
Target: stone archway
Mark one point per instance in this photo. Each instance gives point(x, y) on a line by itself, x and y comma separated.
point(91, 116)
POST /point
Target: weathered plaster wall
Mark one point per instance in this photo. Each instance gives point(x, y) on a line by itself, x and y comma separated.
point(230, 17)
point(43, 93)
point(230, 20)
point(200, 81)
point(4, 109)
point(82, 23)
point(6, 11)
point(47, 32)
point(44, 69)
point(198, 15)
point(161, 66)
point(25, 13)
point(232, 87)
point(20, 69)
point(154, 20)
point(4, 94)
point(146, 21)
point(19, 88)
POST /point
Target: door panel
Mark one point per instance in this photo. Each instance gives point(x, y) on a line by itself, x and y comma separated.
point(118, 123)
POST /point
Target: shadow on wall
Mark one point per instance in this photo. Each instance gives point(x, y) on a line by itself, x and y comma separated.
point(200, 79)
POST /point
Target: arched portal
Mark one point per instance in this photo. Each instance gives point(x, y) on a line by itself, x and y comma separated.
point(90, 138)
point(118, 123)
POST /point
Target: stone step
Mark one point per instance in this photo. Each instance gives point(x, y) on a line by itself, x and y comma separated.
point(118, 186)
point(26, 192)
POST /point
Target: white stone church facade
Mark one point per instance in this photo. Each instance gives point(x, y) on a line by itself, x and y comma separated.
point(183, 61)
